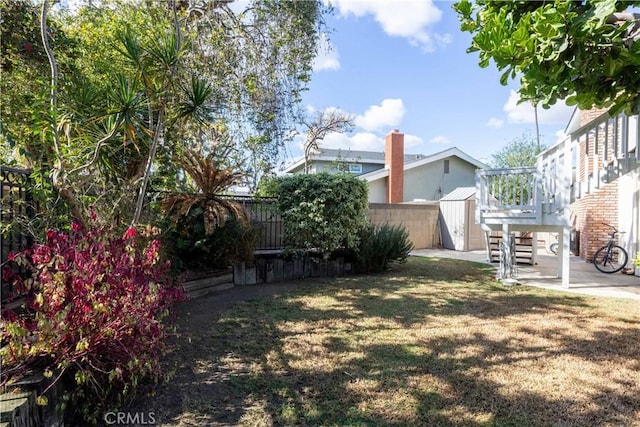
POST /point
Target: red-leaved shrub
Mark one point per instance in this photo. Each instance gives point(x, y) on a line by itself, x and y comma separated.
point(93, 317)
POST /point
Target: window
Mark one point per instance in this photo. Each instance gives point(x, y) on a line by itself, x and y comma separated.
point(446, 166)
point(355, 168)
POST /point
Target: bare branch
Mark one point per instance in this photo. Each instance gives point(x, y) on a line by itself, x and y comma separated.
point(54, 72)
point(323, 123)
point(97, 149)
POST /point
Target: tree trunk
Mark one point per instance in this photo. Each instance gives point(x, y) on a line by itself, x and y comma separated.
point(58, 175)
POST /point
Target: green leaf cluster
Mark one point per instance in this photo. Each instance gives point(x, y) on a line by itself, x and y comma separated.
point(559, 50)
point(322, 212)
point(131, 78)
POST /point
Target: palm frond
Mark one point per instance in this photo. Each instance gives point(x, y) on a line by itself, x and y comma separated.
point(209, 176)
point(211, 179)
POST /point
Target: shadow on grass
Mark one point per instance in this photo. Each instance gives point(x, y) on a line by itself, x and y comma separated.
point(331, 354)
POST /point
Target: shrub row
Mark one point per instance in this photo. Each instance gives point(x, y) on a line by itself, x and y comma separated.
point(93, 317)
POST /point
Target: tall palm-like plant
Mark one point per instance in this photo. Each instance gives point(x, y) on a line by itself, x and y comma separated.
point(211, 178)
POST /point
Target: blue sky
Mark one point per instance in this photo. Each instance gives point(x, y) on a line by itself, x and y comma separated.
point(403, 65)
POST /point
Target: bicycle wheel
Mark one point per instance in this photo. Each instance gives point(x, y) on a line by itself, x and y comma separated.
point(554, 248)
point(610, 259)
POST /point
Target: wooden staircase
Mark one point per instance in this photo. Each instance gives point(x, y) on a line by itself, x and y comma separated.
point(524, 247)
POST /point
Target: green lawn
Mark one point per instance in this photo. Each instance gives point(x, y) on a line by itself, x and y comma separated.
point(434, 342)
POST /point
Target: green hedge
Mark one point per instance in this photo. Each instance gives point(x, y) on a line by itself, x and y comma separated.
point(322, 212)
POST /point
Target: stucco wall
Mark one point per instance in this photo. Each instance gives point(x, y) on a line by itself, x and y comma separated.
point(378, 191)
point(429, 181)
point(629, 212)
point(420, 220)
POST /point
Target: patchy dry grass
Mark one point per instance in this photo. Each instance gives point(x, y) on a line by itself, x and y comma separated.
point(435, 342)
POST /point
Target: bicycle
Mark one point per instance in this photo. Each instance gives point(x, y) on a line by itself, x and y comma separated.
point(611, 258)
point(553, 248)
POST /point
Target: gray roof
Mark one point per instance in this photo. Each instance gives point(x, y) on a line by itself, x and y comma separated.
point(348, 154)
point(358, 154)
point(460, 193)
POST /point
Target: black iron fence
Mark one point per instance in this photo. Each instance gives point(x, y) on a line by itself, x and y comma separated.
point(263, 213)
point(16, 205)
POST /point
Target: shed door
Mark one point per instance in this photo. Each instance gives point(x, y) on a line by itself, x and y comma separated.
point(474, 238)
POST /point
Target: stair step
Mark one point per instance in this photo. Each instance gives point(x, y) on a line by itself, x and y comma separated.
point(523, 248)
point(197, 293)
point(208, 282)
point(201, 287)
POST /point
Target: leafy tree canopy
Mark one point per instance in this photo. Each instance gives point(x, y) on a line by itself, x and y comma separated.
point(139, 83)
point(584, 52)
point(519, 152)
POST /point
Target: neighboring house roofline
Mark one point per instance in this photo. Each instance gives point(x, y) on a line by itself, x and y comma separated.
point(574, 121)
point(453, 151)
point(375, 175)
point(336, 156)
point(298, 163)
point(349, 156)
point(573, 128)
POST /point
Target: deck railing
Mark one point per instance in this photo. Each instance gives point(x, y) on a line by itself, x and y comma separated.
point(504, 193)
point(594, 154)
point(591, 156)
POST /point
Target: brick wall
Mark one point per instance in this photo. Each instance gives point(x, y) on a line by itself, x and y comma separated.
point(588, 214)
point(588, 116)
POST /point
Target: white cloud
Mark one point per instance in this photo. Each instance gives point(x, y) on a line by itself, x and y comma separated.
point(238, 6)
point(327, 58)
point(372, 126)
point(389, 113)
point(412, 141)
point(495, 123)
point(440, 139)
point(365, 141)
point(558, 114)
point(407, 18)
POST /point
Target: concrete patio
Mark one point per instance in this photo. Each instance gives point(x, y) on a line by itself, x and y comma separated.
point(584, 278)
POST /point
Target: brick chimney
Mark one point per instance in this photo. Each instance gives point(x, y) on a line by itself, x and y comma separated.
point(394, 161)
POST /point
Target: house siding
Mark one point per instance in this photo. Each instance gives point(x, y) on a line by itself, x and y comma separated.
point(431, 183)
point(378, 191)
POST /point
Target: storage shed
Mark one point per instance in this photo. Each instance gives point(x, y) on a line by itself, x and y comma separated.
point(458, 229)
